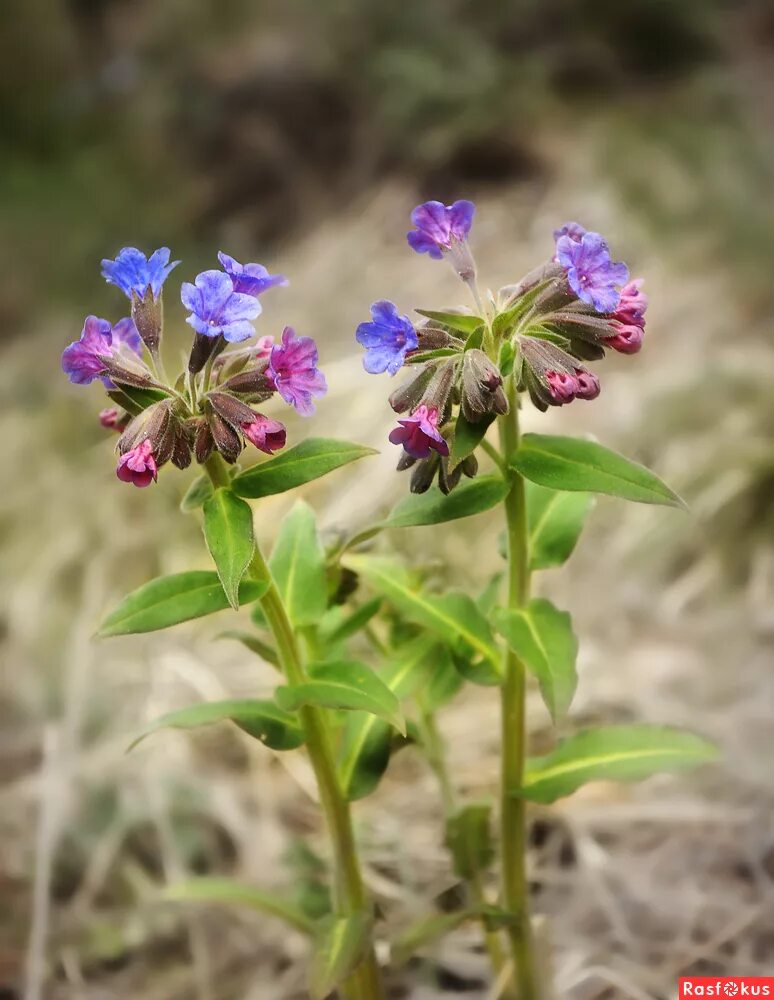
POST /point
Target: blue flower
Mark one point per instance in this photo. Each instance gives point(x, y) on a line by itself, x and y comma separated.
point(134, 273)
point(439, 227)
point(81, 361)
point(592, 275)
point(572, 229)
point(387, 339)
point(250, 279)
point(217, 310)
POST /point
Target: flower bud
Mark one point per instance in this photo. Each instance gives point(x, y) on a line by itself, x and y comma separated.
point(405, 462)
point(469, 466)
point(552, 376)
point(448, 480)
point(252, 383)
point(431, 337)
point(436, 396)
point(147, 315)
point(202, 349)
point(509, 295)
point(628, 337)
point(226, 439)
point(424, 473)
point(409, 395)
point(181, 446)
point(232, 410)
point(204, 442)
point(482, 390)
point(112, 420)
point(122, 372)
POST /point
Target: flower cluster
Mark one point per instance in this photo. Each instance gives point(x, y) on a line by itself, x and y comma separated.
point(210, 406)
point(536, 334)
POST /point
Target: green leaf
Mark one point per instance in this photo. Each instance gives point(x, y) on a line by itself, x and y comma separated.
point(229, 892)
point(452, 616)
point(298, 566)
point(228, 531)
point(475, 339)
point(445, 681)
point(170, 600)
point(309, 460)
point(262, 720)
point(556, 520)
point(337, 624)
point(542, 637)
point(344, 685)
point(469, 840)
point(489, 596)
point(473, 496)
point(134, 400)
point(619, 753)
point(477, 669)
point(467, 437)
point(367, 740)
point(461, 322)
point(426, 931)
point(564, 463)
point(199, 491)
point(254, 643)
point(506, 358)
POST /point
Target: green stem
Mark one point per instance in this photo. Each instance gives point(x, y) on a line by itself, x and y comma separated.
point(436, 758)
point(515, 891)
point(349, 891)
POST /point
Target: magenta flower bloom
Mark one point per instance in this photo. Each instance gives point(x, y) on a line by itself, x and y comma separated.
point(267, 435)
point(81, 361)
point(293, 371)
point(633, 304)
point(387, 339)
point(592, 275)
point(249, 279)
point(138, 466)
point(419, 433)
point(562, 386)
point(628, 337)
point(588, 386)
point(439, 227)
point(263, 348)
point(134, 273)
point(217, 310)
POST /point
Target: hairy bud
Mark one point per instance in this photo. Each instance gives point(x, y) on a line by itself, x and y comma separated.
point(482, 390)
point(409, 395)
point(147, 315)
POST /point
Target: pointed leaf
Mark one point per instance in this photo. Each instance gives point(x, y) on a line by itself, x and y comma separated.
point(342, 946)
point(298, 566)
point(254, 643)
point(309, 460)
point(564, 463)
point(463, 322)
point(473, 496)
point(467, 437)
point(556, 519)
point(230, 892)
point(338, 624)
point(345, 685)
point(228, 531)
point(262, 720)
point(170, 600)
point(199, 491)
point(444, 683)
point(542, 637)
point(367, 741)
point(452, 616)
point(620, 753)
point(426, 931)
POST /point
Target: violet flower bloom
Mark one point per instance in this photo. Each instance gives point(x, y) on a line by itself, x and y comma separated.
point(592, 275)
point(267, 435)
point(387, 339)
point(138, 466)
point(293, 371)
point(439, 227)
point(249, 279)
point(574, 230)
point(81, 361)
point(419, 433)
point(217, 310)
point(134, 273)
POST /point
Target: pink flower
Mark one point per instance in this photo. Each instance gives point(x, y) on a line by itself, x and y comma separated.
point(628, 337)
point(294, 373)
point(562, 386)
point(263, 348)
point(634, 302)
point(109, 419)
point(419, 433)
point(267, 435)
point(588, 384)
point(138, 466)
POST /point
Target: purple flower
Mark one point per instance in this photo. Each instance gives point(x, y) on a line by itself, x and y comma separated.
point(81, 361)
point(439, 227)
point(592, 275)
point(574, 230)
point(387, 339)
point(138, 466)
point(293, 371)
point(633, 304)
point(419, 433)
point(250, 279)
point(267, 435)
point(216, 309)
point(134, 273)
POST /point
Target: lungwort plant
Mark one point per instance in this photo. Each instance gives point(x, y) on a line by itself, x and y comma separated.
point(367, 649)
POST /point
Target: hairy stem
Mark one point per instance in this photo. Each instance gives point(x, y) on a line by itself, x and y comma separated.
point(515, 891)
point(349, 891)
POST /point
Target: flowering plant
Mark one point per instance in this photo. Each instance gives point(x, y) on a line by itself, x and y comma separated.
point(367, 648)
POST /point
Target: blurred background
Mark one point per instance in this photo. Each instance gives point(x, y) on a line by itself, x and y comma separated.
point(300, 134)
